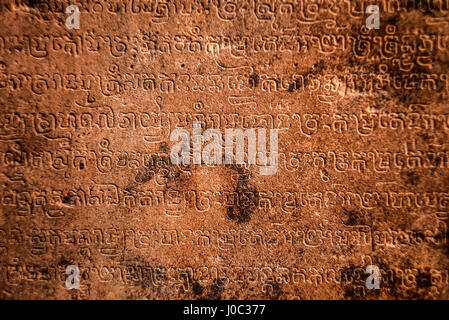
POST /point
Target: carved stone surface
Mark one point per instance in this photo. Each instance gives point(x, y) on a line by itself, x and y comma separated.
point(361, 174)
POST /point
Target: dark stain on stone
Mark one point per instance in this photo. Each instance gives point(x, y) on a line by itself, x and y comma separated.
point(393, 20)
point(354, 218)
point(67, 200)
point(33, 3)
point(64, 262)
point(276, 290)
point(411, 178)
point(291, 87)
point(161, 164)
point(253, 80)
point(318, 67)
point(144, 176)
point(216, 290)
point(247, 197)
point(352, 291)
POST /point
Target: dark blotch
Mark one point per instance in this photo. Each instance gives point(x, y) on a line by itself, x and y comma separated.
point(197, 288)
point(216, 290)
point(247, 197)
point(412, 178)
point(253, 80)
point(33, 3)
point(354, 218)
point(291, 87)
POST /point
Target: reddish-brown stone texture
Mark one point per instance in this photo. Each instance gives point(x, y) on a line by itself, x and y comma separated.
point(363, 163)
